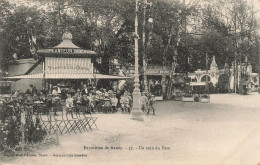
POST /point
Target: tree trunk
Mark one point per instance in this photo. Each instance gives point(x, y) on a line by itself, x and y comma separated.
point(174, 58)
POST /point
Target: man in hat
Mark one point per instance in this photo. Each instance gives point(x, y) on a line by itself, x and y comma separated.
point(77, 101)
point(125, 103)
point(56, 103)
point(150, 103)
point(144, 102)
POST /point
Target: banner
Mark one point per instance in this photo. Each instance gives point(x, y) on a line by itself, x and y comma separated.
point(68, 65)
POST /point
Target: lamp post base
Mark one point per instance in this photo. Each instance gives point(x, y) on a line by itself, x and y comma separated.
point(136, 111)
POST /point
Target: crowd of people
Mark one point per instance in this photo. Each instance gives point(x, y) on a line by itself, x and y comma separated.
point(85, 99)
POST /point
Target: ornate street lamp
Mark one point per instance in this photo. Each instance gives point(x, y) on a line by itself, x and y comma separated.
point(136, 111)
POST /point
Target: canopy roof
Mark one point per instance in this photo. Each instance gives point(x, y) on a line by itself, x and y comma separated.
point(66, 49)
point(66, 76)
point(197, 83)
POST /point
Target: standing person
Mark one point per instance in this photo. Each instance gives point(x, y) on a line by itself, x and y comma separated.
point(114, 89)
point(85, 104)
point(58, 89)
point(91, 99)
point(114, 102)
point(118, 96)
point(150, 103)
point(144, 102)
point(125, 102)
point(28, 92)
point(84, 91)
point(31, 86)
point(69, 104)
point(77, 101)
point(56, 103)
point(129, 98)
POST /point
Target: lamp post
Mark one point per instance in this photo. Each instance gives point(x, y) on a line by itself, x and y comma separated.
point(136, 111)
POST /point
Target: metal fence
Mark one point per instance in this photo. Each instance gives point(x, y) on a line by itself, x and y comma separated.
point(21, 124)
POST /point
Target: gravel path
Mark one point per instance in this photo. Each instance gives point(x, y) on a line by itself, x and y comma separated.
point(224, 132)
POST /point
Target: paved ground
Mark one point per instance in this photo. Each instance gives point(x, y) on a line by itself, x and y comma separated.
point(224, 132)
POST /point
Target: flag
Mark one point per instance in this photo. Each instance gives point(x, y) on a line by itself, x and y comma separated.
point(33, 46)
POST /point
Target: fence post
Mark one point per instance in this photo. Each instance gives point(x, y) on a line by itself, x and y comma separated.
point(56, 132)
point(50, 119)
point(56, 126)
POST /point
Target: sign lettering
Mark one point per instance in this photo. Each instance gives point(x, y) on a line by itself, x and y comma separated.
point(68, 65)
point(56, 50)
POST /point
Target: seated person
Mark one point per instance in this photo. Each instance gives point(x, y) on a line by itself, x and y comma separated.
point(69, 101)
point(107, 104)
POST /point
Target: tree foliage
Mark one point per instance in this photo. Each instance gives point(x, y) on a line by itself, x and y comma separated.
point(108, 28)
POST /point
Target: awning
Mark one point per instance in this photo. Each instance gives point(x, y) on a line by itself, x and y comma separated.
point(5, 83)
point(197, 83)
point(103, 76)
point(29, 76)
point(67, 76)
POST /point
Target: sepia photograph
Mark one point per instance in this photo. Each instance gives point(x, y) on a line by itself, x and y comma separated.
point(129, 82)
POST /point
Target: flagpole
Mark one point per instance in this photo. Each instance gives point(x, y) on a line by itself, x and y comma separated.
point(207, 86)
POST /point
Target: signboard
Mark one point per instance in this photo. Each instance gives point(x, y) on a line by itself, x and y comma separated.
point(157, 72)
point(66, 51)
point(68, 65)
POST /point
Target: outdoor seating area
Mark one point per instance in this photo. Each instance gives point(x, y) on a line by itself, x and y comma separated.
point(191, 97)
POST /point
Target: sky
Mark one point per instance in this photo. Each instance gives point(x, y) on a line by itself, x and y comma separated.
point(255, 2)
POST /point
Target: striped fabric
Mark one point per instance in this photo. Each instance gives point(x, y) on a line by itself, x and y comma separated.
point(103, 76)
point(69, 76)
point(33, 76)
point(66, 76)
point(56, 65)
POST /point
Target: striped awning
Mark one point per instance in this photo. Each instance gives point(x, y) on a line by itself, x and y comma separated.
point(29, 76)
point(103, 76)
point(197, 83)
point(69, 76)
point(5, 83)
point(66, 76)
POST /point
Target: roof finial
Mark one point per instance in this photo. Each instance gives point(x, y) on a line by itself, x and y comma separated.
point(67, 35)
point(213, 65)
